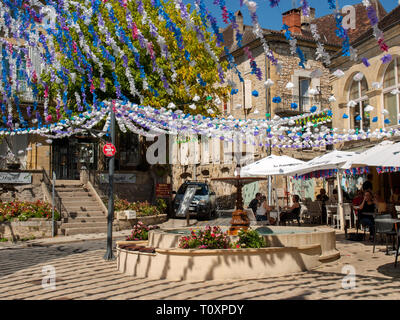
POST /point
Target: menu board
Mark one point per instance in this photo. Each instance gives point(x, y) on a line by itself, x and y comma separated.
point(163, 190)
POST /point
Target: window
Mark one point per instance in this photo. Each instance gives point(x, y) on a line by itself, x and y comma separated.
point(304, 100)
point(128, 154)
point(358, 93)
point(391, 82)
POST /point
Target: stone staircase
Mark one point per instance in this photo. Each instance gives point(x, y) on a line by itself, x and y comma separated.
point(85, 213)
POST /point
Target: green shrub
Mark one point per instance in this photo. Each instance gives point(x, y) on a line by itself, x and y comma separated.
point(143, 209)
point(250, 239)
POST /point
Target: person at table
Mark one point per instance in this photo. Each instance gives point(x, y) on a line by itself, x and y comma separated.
point(335, 196)
point(293, 212)
point(395, 198)
point(262, 213)
point(323, 198)
point(368, 206)
point(367, 185)
point(254, 203)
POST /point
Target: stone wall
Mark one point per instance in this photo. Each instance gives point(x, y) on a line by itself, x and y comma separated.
point(17, 230)
point(27, 192)
point(142, 190)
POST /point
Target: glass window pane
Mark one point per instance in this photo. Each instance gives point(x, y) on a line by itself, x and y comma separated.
point(366, 116)
point(391, 106)
point(354, 93)
point(389, 79)
point(364, 87)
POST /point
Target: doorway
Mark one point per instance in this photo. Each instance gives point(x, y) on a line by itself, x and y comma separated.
point(70, 156)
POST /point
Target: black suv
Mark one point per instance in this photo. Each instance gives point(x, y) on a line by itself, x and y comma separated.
point(203, 205)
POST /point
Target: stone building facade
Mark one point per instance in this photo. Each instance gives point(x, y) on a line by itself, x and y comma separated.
point(370, 86)
point(307, 91)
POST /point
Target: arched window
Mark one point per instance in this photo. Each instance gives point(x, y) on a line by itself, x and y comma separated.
point(358, 94)
point(391, 81)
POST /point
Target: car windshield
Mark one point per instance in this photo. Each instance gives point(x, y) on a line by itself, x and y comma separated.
point(202, 190)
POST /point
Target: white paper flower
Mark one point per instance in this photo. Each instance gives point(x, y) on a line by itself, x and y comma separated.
point(269, 83)
point(49, 141)
point(332, 99)
point(338, 73)
point(289, 85)
point(376, 85)
point(171, 106)
point(358, 77)
point(385, 112)
point(196, 98)
point(316, 73)
point(395, 91)
point(192, 106)
point(256, 111)
point(369, 108)
point(351, 104)
point(313, 92)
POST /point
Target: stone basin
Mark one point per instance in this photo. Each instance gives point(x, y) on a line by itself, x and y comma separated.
point(290, 250)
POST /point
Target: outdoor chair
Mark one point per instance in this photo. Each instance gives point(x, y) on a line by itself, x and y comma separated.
point(384, 228)
point(397, 243)
point(330, 212)
point(293, 217)
point(315, 211)
point(397, 211)
point(347, 215)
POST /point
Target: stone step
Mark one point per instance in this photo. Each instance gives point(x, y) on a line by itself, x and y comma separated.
point(79, 200)
point(81, 225)
point(66, 190)
point(81, 219)
point(76, 207)
point(88, 230)
point(74, 194)
point(68, 183)
point(83, 214)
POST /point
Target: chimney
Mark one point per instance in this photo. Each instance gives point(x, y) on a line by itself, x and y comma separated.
point(292, 19)
point(239, 21)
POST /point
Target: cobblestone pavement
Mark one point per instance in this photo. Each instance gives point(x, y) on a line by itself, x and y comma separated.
point(81, 273)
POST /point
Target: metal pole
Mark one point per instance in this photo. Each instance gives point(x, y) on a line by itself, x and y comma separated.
point(53, 204)
point(340, 202)
point(109, 256)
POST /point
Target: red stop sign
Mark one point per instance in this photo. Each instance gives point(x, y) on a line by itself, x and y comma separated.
point(109, 150)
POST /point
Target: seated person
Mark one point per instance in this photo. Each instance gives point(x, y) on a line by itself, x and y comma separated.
point(367, 206)
point(335, 196)
point(255, 202)
point(262, 210)
point(395, 198)
point(359, 198)
point(293, 212)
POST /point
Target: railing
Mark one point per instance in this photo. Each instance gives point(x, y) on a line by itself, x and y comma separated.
point(57, 199)
point(304, 104)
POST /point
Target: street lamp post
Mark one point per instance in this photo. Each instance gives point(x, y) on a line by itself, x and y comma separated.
point(109, 256)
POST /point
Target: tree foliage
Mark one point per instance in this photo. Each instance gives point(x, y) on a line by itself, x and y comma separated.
point(186, 71)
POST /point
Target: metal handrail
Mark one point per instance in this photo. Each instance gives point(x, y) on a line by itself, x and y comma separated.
point(57, 199)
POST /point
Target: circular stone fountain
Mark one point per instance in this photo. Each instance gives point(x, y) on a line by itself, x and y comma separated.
point(290, 250)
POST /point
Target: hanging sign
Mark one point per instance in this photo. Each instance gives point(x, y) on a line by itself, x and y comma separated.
point(109, 150)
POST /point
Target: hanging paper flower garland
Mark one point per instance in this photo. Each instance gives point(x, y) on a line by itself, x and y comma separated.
point(293, 46)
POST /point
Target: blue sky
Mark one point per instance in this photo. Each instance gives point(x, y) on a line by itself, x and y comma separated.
point(271, 18)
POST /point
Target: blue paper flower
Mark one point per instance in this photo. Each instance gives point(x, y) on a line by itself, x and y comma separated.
point(313, 109)
point(345, 116)
point(375, 119)
point(277, 100)
point(358, 118)
point(234, 91)
point(387, 121)
point(294, 105)
point(255, 93)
